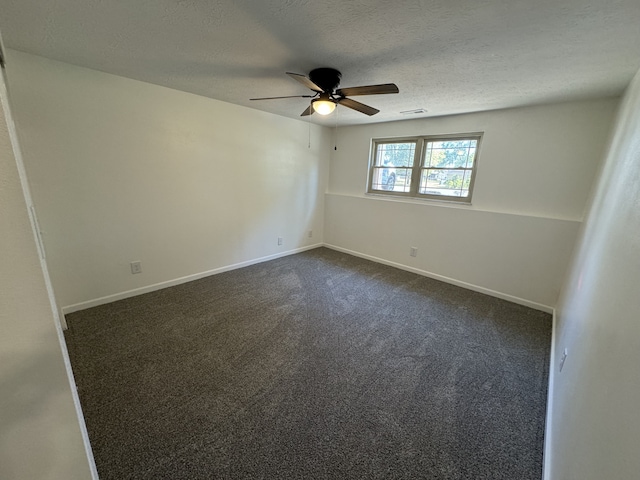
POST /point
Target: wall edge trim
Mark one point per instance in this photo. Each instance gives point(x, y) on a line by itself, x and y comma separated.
point(445, 204)
point(547, 453)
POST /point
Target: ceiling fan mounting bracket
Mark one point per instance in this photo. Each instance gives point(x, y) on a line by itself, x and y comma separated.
point(327, 79)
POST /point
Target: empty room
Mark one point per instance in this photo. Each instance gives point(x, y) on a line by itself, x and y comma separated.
point(336, 240)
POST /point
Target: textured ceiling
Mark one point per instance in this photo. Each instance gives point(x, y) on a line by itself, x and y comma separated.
point(446, 56)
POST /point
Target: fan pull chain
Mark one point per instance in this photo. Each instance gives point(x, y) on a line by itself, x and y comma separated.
point(335, 143)
point(309, 123)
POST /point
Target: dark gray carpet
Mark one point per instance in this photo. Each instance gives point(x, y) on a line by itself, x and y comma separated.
point(317, 365)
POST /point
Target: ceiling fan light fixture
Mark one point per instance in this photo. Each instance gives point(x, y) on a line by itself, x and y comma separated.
point(323, 105)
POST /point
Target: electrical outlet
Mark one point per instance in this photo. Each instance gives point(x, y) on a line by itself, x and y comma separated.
point(310, 233)
point(136, 267)
point(565, 354)
point(279, 240)
point(413, 251)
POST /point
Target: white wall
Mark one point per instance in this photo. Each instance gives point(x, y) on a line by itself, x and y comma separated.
point(595, 424)
point(535, 171)
point(40, 433)
point(123, 170)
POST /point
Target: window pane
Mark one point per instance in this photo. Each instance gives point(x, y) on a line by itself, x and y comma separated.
point(450, 153)
point(391, 179)
point(382, 179)
point(401, 179)
point(395, 154)
point(451, 183)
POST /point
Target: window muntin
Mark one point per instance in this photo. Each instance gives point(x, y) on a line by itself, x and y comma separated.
point(431, 167)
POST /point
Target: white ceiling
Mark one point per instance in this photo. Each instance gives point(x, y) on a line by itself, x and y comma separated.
point(446, 56)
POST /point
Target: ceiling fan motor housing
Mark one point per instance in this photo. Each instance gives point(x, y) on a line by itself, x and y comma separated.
point(327, 79)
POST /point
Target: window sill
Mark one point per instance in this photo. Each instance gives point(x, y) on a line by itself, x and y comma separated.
point(417, 200)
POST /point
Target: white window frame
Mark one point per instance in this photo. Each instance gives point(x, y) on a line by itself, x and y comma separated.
point(419, 160)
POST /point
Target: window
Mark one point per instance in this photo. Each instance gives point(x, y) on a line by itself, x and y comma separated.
point(434, 167)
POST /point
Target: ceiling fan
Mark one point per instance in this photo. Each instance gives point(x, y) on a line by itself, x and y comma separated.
point(324, 82)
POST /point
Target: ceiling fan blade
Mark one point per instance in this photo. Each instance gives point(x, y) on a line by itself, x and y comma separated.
point(305, 81)
point(360, 107)
point(288, 96)
point(368, 90)
point(308, 111)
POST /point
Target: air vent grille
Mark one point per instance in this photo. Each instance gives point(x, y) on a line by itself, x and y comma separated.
point(416, 111)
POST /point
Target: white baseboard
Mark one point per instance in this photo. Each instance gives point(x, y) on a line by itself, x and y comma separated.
point(547, 452)
point(178, 281)
point(453, 281)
